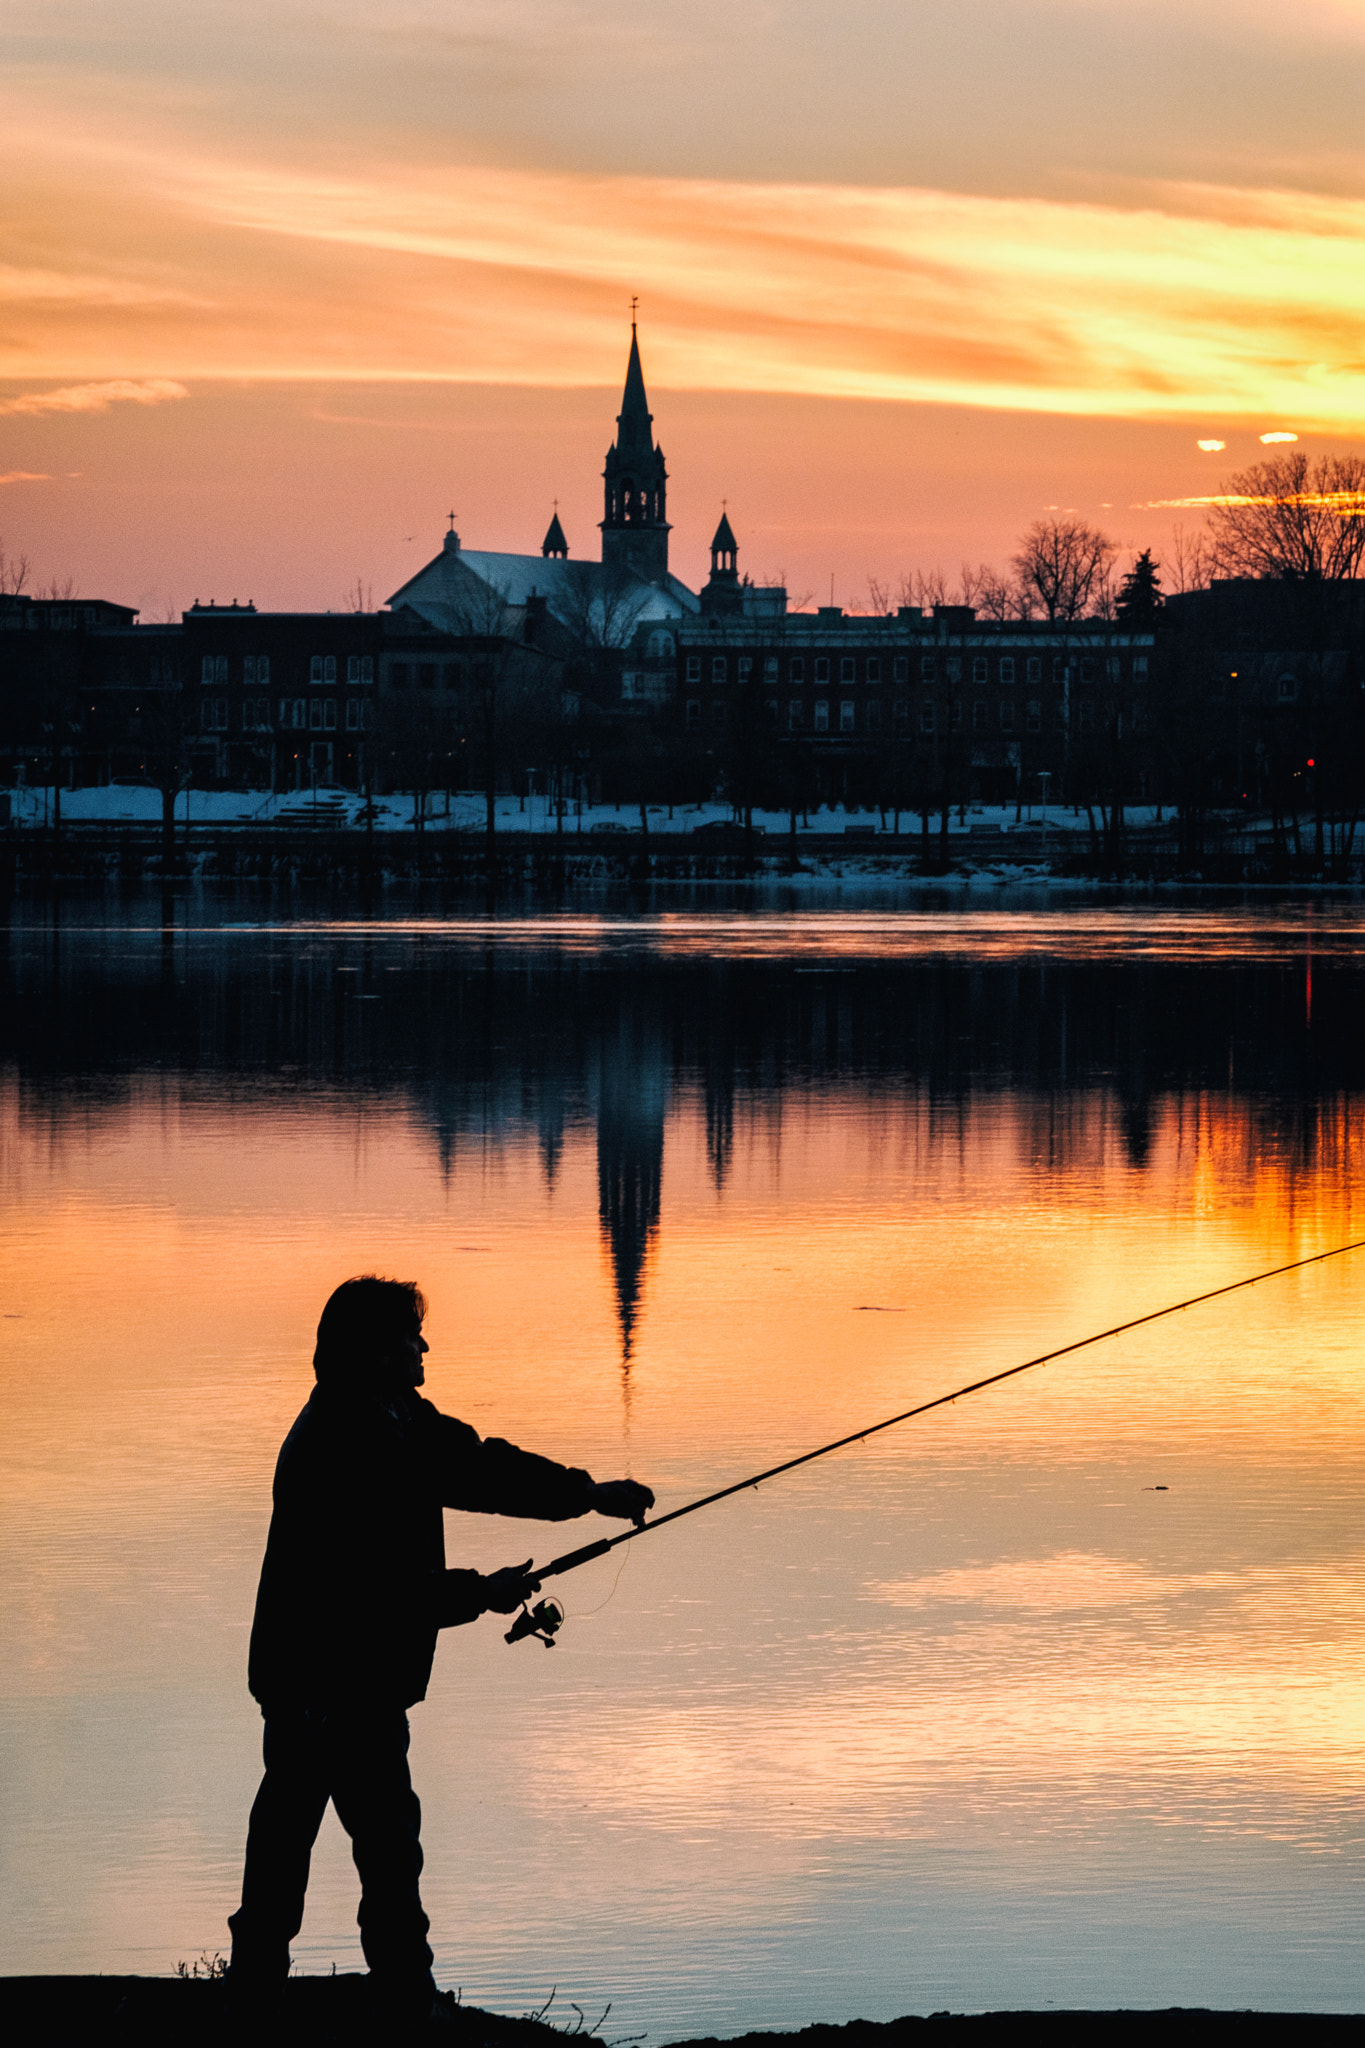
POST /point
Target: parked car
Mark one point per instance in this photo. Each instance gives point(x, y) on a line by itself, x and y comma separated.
point(609, 826)
point(724, 831)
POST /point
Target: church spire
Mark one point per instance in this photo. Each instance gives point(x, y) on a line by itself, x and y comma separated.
point(635, 526)
point(555, 546)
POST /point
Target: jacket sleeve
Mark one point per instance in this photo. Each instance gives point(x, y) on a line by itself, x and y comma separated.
point(485, 1476)
point(458, 1598)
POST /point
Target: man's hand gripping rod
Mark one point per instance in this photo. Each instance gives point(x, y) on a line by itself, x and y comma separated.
point(546, 1618)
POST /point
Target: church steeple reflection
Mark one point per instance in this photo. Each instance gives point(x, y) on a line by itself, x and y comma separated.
point(631, 1104)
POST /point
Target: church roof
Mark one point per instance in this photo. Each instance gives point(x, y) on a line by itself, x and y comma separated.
point(441, 591)
point(554, 541)
point(724, 535)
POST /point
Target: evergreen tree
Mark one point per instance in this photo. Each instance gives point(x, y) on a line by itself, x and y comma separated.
point(1140, 591)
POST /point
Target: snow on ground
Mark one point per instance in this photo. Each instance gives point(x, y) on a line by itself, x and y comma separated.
point(140, 803)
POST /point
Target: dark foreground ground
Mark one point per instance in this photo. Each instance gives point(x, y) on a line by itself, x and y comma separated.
point(321, 2011)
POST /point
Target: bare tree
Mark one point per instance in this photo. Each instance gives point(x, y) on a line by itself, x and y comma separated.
point(14, 572)
point(1294, 516)
point(359, 596)
point(1190, 560)
point(1063, 566)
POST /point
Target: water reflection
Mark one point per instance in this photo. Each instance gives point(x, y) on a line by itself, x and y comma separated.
point(973, 1715)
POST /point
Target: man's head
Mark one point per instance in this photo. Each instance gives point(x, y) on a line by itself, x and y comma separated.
point(371, 1331)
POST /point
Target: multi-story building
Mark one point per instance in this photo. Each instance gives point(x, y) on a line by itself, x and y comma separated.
point(985, 707)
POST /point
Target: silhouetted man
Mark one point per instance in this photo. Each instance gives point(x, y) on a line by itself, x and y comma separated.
point(353, 1590)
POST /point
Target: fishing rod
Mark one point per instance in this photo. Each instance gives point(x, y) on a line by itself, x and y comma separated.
point(545, 1619)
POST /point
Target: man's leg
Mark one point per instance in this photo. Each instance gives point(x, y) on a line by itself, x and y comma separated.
point(284, 1824)
point(372, 1791)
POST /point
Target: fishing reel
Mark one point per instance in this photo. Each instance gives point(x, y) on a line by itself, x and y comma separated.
point(543, 1621)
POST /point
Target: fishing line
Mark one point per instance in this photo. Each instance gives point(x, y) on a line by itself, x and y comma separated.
point(573, 1558)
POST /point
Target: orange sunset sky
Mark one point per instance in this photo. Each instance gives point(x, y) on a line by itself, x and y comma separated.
point(285, 282)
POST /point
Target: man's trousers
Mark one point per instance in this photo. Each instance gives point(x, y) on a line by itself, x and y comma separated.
point(359, 1760)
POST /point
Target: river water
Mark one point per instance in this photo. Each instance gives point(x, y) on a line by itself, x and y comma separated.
point(1054, 1696)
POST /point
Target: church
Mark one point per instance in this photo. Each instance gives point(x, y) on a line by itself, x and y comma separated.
point(628, 606)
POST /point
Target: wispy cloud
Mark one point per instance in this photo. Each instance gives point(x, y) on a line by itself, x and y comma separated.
point(1201, 302)
point(26, 476)
point(96, 397)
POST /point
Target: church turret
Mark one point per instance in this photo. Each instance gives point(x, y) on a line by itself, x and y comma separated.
point(635, 528)
point(722, 592)
point(554, 546)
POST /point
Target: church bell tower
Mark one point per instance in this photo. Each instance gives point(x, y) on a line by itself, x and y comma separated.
point(635, 529)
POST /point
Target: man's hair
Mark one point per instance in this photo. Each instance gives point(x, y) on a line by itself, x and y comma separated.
point(363, 1319)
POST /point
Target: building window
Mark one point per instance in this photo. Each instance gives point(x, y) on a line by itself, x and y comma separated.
point(902, 668)
point(954, 668)
point(398, 674)
point(1035, 668)
point(793, 714)
point(902, 714)
point(872, 717)
point(822, 668)
point(256, 670)
point(1006, 714)
point(1114, 667)
point(1059, 668)
point(353, 714)
point(874, 668)
point(1087, 668)
point(220, 713)
point(1034, 719)
point(770, 669)
point(315, 668)
point(926, 715)
point(660, 646)
point(329, 715)
point(360, 668)
point(822, 714)
point(206, 714)
point(979, 713)
point(1139, 667)
point(1059, 715)
point(214, 669)
point(770, 711)
point(1287, 689)
point(745, 667)
point(694, 668)
point(315, 714)
point(694, 714)
point(329, 668)
point(718, 668)
point(1007, 669)
point(928, 667)
point(796, 669)
point(848, 670)
point(426, 675)
point(718, 715)
point(978, 668)
point(846, 715)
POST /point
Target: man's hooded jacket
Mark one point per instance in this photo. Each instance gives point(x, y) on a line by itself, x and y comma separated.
point(354, 1585)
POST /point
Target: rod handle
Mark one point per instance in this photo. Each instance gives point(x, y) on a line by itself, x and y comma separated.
point(574, 1558)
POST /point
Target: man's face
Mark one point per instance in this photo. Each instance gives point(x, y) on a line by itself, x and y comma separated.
point(404, 1361)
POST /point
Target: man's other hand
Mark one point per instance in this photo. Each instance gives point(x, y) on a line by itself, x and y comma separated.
point(505, 1591)
point(624, 1498)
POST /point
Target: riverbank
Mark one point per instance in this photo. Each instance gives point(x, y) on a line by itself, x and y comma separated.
point(333, 2012)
